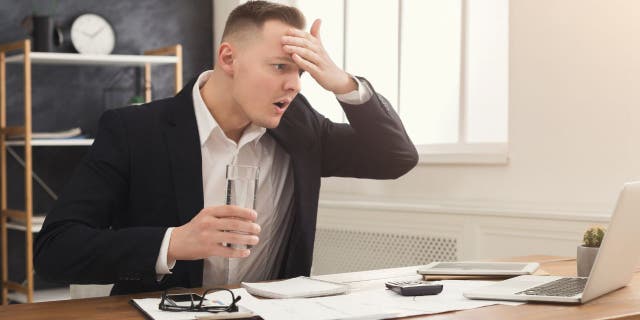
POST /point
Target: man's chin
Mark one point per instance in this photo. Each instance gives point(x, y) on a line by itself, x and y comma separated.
point(270, 124)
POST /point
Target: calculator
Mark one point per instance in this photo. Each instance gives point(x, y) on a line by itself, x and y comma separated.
point(415, 287)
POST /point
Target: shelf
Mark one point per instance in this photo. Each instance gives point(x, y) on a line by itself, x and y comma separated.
point(35, 227)
point(170, 55)
point(52, 142)
point(43, 295)
point(93, 59)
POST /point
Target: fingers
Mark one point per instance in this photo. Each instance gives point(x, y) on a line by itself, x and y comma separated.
point(230, 224)
point(227, 252)
point(292, 32)
point(206, 233)
point(304, 53)
point(305, 65)
point(219, 249)
point(238, 238)
point(305, 49)
point(299, 42)
point(315, 28)
point(313, 36)
point(227, 218)
point(228, 211)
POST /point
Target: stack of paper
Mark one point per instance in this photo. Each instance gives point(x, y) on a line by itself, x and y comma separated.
point(300, 287)
point(374, 303)
point(64, 134)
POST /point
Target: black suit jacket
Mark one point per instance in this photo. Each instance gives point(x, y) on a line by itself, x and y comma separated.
point(144, 174)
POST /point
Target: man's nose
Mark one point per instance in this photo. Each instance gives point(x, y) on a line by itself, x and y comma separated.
point(292, 83)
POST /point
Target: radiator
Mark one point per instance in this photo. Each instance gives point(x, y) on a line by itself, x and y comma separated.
point(341, 250)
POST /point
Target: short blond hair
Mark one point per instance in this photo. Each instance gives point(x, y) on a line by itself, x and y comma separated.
point(254, 14)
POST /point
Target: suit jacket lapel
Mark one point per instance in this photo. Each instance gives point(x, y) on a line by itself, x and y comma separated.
point(184, 153)
point(183, 147)
point(295, 136)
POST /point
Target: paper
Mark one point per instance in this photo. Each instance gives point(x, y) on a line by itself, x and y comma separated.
point(373, 303)
point(369, 302)
point(150, 307)
point(311, 308)
point(450, 299)
point(300, 287)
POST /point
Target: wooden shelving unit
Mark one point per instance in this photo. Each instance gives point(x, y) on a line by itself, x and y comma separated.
point(22, 219)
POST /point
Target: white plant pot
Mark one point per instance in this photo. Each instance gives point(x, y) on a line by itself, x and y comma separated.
point(584, 259)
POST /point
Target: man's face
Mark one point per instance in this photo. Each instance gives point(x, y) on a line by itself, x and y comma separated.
point(265, 79)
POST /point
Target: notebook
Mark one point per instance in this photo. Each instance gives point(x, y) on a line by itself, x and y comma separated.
point(478, 268)
point(300, 287)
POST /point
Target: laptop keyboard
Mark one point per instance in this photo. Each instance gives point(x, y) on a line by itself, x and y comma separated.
point(565, 287)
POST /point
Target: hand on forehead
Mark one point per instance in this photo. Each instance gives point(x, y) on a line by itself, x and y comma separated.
point(312, 36)
point(305, 44)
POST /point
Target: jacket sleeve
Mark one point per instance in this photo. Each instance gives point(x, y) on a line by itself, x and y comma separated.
point(374, 144)
point(79, 242)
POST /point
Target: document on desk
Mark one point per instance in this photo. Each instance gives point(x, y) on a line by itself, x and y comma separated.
point(450, 299)
point(300, 287)
point(313, 308)
point(149, 306)
point(378, 303)
point(370, 303)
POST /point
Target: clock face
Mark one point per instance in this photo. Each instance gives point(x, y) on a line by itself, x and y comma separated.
point(91, 33)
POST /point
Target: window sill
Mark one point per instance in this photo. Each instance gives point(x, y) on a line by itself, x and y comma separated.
point(464, 153)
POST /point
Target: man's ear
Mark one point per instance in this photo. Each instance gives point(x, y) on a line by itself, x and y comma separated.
point(226, 58)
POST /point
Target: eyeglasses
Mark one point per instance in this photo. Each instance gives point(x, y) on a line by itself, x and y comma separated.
point(197, 304)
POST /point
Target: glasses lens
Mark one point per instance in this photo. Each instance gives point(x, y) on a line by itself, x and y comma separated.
point(194, 302)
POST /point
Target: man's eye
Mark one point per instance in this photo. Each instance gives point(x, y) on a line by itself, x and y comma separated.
point(279, 66)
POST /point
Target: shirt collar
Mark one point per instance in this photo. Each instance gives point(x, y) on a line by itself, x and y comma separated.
point(207, 124)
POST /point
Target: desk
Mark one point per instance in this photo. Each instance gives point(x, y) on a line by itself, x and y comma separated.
point(621, 304)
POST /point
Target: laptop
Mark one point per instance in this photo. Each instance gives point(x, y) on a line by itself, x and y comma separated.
point(611, 269)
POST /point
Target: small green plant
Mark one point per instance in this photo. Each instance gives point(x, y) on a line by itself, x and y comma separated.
point(593, 237)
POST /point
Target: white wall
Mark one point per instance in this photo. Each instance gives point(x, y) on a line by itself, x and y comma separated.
point(574, 130)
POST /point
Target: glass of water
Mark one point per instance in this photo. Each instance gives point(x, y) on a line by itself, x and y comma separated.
point(242, 185)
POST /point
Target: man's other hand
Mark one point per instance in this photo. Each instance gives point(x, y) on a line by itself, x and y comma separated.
point(308, 53)
point(205, 234)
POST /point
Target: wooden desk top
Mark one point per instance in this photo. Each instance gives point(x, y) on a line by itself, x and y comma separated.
point(621, 304)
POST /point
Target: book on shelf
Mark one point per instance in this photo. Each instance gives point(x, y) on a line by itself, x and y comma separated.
point(63, 134)
point(35, 219)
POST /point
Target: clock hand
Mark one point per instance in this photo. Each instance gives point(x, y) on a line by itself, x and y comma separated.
point(97, 32)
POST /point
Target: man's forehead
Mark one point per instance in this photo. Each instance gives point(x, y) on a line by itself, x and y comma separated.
point(276, 26)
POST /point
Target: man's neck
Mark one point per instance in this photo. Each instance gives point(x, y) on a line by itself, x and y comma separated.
point(230, 118)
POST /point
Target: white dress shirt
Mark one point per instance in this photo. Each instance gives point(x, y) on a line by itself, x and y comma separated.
point(274, 198)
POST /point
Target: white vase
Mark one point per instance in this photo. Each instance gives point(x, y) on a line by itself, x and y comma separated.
point(585, 258)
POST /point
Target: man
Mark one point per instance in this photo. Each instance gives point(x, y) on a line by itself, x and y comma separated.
point(145, 208)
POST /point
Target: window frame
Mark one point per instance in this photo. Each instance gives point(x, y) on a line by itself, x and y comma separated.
point(462, 151)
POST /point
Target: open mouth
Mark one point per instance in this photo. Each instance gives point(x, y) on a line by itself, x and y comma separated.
point(282, 104)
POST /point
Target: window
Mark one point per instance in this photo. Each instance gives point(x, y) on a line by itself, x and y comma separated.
point(442, 63)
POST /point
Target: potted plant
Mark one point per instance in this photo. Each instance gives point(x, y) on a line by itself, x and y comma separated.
point(588, 251)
